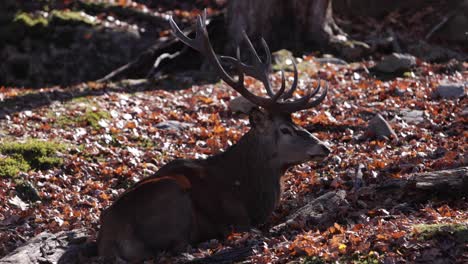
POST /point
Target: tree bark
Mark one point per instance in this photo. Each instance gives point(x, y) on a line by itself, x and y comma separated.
point(294, 24)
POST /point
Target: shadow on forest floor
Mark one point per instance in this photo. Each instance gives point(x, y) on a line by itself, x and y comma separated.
point(36, 99)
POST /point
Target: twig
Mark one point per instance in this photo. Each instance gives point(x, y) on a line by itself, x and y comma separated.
point(440, 24)
point(226, 256)
point(163, 57)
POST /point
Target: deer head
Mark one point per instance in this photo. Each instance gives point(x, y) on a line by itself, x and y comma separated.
point(271, 122)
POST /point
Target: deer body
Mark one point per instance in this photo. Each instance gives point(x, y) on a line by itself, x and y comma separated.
point(189, 201)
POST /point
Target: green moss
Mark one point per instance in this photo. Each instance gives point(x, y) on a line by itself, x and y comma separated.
point(426, 232)
point(89, 118)
point(32, 154)
point(81, 99)
point(10, 167)
point(99, 7)
point(65, 120)
point(30, 20)
point(92, 118)
point(56, 16)
point(280, 58)
point(70, 17)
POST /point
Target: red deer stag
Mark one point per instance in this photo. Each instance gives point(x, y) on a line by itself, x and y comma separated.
point(188, 201)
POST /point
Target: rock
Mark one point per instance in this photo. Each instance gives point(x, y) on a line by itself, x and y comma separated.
point(282, 59)
point(449, 91)
point(173, 125)
point(378, 127)
point(412, 116)
point(241, 105)
point(281, 55)
point(431, 52)
point(62, 247)
point(26, 191)
point(396, 62)
point(307, 67)
point(331, 60)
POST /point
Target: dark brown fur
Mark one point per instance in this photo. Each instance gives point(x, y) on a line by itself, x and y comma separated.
point(188, 201)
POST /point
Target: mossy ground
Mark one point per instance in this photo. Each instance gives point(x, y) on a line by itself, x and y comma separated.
point(56, 16)
point(32, 154)
point(426, 232)
point(30, 20)
point(90, 118)
point(10, 167)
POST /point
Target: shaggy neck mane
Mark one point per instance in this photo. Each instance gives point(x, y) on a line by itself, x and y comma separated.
point(251, 168)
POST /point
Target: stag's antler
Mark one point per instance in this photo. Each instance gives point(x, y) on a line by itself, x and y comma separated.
point(259, 70)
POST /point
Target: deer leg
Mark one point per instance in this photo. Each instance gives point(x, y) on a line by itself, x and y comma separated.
point(236, 214)
point(117, 240)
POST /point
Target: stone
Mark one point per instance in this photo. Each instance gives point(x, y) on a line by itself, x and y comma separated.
point(449, 91)
point(396, 62)
point(63, 247)
point(282, 60)
point(173, 125)
point(307, 67)
point(378, 127)
point(331, 60)
point(412, 116)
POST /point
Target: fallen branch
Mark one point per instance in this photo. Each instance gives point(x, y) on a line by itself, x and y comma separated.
point(143, 61)
point(452, 183)
point(226, 256)
point(162, 57)
point(439, 25)
point(322, 211)
point(63, 247)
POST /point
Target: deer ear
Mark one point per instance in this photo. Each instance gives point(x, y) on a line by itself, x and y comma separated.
point(258, 118)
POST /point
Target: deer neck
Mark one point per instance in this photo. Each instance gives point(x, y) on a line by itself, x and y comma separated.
point(250, 167)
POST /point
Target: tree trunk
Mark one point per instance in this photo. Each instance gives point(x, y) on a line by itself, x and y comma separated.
point(293, 24)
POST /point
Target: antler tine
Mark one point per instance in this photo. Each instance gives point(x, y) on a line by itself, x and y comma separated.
point(181, 36)
point(280, 92)
point(201, 43)
point(319, 99)
point(303, 103)
point(291, 91)
point(317, 89)
point(259, 70)
point(267, 52)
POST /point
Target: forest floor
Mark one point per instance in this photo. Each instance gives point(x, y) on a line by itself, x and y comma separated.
point(66, 153)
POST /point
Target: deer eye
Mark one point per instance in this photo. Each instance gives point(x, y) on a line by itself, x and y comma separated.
point(286, 131)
